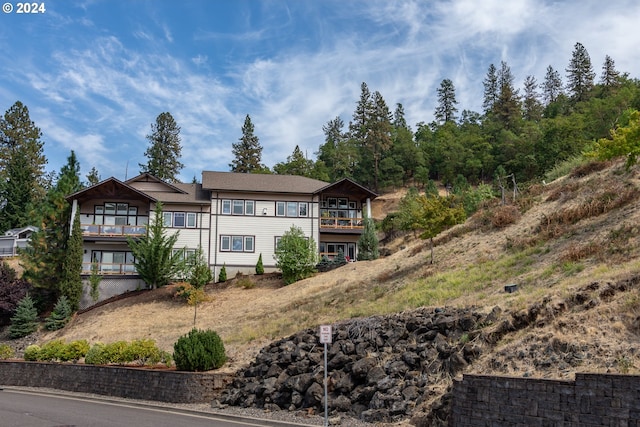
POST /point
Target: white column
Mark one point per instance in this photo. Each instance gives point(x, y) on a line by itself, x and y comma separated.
point(368, 207)
point(74, 208)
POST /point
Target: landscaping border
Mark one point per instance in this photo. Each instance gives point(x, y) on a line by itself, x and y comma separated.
point(126, 382)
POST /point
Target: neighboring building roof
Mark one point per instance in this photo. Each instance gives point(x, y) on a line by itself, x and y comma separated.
point(16, 232)
point(261, 183)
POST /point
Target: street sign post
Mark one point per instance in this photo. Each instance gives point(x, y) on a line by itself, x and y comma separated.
point(325, 338)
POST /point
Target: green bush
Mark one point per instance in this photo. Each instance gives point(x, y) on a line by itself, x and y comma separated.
point(24, 321)
point(60, 315)
point(259, 266)
point(222, 277)
point(6, 352)
point(296, 255)
point(51, 351)
point(32, 353)
point(199, 351)
point(142, 352)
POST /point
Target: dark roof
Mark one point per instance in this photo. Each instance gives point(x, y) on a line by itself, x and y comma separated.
point(110, 188)
point(260, 183)
point(188, 193)
point(347, 186)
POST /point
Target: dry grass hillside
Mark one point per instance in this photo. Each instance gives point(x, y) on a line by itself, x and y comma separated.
point(571, 246)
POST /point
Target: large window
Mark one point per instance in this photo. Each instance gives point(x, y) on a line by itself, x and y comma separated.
point(114, 262)
point(179, 219)
point(238, 207)
point(117, 214)
point(237, 243)
point(292, 209)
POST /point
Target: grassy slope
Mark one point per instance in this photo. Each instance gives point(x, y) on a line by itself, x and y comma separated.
point(574, 232)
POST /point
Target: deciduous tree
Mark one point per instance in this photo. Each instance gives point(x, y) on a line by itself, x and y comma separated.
point(296, 255)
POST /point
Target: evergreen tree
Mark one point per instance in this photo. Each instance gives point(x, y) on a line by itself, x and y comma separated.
point(22, 161)
point(580, 74)
point(247, 151)
point(60, 315)
point(446, 109)
point(491, 89)
point(532, 107)
point(338, 153)
point(43, 258)
point(378, 142)
point(296, 164)
point(93, 177)
point(398, 118)
point(610, 77)
point(24, 321)
point(71, 282)
point(368, 242)
point(507, 107)
point(222, 276)
point(552, 87)
point(155, 261)
point(165, 150)
point(259, 265)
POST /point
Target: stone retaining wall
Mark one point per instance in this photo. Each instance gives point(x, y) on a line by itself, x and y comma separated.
point(591, 400)
point(135, 383)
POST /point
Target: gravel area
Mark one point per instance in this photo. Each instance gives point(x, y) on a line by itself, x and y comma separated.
point(296, 417)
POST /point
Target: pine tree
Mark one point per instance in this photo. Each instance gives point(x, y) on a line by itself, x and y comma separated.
point(532, 107)
point(491, 89)
point(446, 109)
point(337, 153)
point(296, 164)
point(379, 142)
point(43, 258)
point(165, 149)
point(580, 74)
point(93, 177)
point(368, 242)
point(247, 151)
point(70, 281)
point(507, 107)
point(60, 315)
point(552, 87)
point(155, 261)
point(610, 77)
point(22, 164)
point(24, 321)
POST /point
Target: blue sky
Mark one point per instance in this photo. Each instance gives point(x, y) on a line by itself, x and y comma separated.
point(95, 74)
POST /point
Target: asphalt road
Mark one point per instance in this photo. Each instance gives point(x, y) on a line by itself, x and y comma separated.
point(19, 408)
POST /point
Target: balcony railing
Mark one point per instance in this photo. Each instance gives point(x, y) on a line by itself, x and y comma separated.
point(113, 230)
point(104, 268)
point(342, 223)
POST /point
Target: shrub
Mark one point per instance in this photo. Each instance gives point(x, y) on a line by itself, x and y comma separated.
point(143, 352)
point(12, 290)
point(222, 277)
point(60, 315)
point(75, 350)
point(246, 283)
point(32, 353)
point(95, 355)
point(199, 272)
point(6, 352)
point(503, 216)
point(51, 351)
point(296, 255)
point(24, 321)
point(94, 282)
point(259, 266)
point(368, 242)
point(199, 351)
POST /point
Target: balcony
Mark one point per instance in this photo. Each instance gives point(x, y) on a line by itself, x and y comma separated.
point(113, 230)
point(342, 223)
point(104, 268)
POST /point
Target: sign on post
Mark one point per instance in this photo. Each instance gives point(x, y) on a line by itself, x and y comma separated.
point(325, 334)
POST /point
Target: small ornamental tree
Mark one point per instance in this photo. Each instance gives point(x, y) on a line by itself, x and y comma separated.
point(155, 261)
point(94, 282)
point(222, 276)
point(24, 321)
point(71, 282)
point(12, 291)
point(60, 315)
point(296, 255)
point(435, 215)
point(368, 242)
point(199, 351)
point(199, 273)
point(259, 266)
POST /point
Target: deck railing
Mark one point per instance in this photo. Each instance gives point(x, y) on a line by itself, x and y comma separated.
point(342, 223)
point(113, 230)
point(104, 268)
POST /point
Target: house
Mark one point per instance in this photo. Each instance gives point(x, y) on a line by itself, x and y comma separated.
point(232, 217)
point(15, 239)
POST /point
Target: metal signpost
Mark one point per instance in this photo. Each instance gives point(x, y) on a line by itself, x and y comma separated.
point(325, 338)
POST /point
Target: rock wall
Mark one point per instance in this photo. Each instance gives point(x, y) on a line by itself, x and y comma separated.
point(379, 368)
point(591, 400)
point(147, 384)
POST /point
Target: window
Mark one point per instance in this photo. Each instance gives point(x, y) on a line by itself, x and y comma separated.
point(122, 208)
point(237, 243)
point(178, 219)
point(166, 219)
point(191, 219)
point(302, 209)
point(238, 207)
point(226, 207)
point(277, 242)
point(110, 208)
point(333, 202)
point(280, 206)
point(249, 207)
point(292, 209)
point(342, 204)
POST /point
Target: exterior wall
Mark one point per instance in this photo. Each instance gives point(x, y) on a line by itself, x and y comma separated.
point(591, 400)
point(147, 384)
point(110, 286)
point(264, 226)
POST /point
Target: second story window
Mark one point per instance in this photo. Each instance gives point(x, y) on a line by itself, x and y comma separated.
point(292, 209)
point(238, 207)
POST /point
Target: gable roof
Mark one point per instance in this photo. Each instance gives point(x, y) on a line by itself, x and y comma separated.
point(111, 188)
point(348, 186)
point(260, 183)
point(147, 177)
